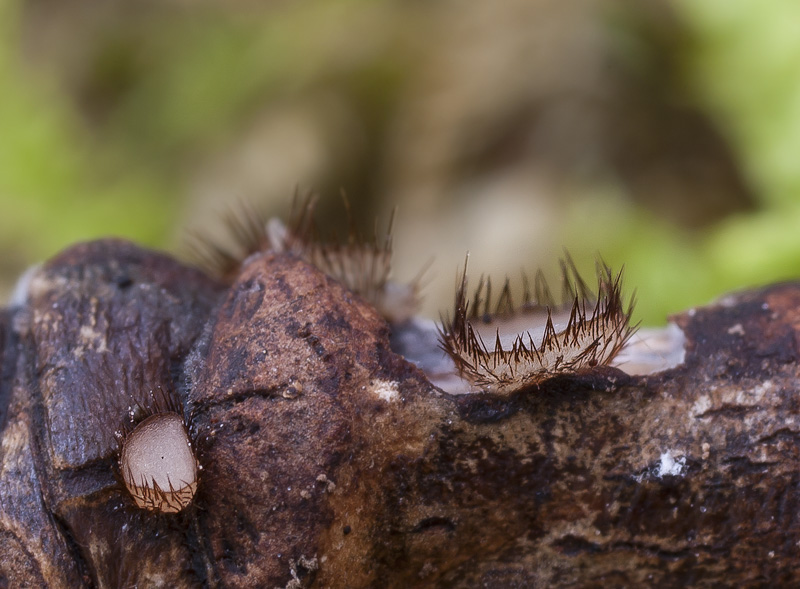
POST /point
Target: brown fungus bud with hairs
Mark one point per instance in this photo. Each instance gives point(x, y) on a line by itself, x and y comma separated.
point(158, 465)
point(540, 338)
point(155, 455)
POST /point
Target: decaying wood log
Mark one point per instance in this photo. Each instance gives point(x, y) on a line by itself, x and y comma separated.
point(330, 461)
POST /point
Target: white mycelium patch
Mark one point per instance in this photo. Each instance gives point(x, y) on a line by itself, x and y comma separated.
point(386, 390)
point(669, 465)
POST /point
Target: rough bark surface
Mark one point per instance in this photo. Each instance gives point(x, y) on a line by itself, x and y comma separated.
point(329, 461)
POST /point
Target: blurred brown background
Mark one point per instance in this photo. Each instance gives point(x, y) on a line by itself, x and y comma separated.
point(658, 133)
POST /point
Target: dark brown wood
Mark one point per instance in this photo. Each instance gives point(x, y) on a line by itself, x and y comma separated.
point(330, 461)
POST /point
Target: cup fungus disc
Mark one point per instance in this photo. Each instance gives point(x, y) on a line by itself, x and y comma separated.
point(158, 465)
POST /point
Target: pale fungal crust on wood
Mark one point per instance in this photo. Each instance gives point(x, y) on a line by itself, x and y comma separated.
point(540, 338)
point(158, 465)
point(652, 349)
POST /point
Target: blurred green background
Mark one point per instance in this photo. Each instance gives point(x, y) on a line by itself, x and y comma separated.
point(662, 134)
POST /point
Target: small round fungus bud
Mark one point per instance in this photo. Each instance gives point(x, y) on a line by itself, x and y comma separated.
point(158, 465)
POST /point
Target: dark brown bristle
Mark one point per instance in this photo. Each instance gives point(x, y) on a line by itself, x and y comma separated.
point(597, 327)
point(248, 232)
point(159, 400)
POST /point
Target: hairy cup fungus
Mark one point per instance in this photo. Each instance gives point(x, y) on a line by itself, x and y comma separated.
point(542, 337)
point(158, 464)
